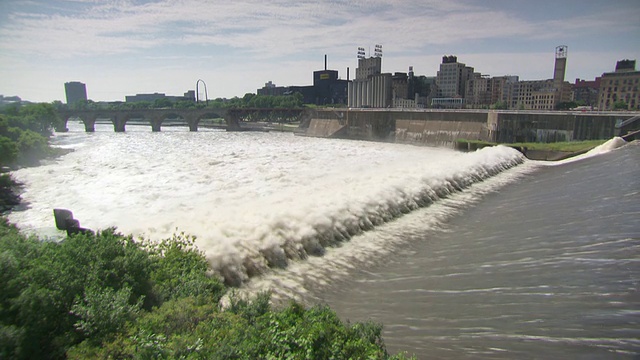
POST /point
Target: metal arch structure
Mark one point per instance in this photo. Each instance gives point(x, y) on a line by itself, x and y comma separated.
point(206, 95)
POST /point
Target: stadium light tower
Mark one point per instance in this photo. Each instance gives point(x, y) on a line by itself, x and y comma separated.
point(378, 51)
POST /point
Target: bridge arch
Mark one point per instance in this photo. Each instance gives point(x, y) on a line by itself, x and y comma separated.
point(120, 121)
point(207, 114)
point(173, 114)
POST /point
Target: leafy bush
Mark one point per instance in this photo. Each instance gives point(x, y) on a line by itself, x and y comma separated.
point(87, 287)
point(32, 147)
point(24, 133)
point(8, 151)
point(185, 329)
point(180, 270)
point(108, 296)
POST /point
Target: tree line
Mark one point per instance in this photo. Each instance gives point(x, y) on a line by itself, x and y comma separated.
point(24, 141)
point(249, 100)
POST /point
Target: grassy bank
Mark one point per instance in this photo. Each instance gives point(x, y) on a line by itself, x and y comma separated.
point(567, 146)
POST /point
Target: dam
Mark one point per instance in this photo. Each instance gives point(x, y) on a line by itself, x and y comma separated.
point(444, 127)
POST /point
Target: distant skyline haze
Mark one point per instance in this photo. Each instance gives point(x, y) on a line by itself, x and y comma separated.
point(126, 47)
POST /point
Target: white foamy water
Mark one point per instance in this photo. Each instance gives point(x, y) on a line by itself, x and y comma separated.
point(256, 201)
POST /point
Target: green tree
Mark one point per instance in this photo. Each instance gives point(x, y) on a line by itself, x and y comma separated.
point(59, 105)
point(104, 311)
point(179, 269)
point(500, 105)
point(184, 104)
point(566, 105)
point(32, 147)
point(620, 105)
point(8, 151)
point(247, 98)
point(162, 103)
point(41, 118)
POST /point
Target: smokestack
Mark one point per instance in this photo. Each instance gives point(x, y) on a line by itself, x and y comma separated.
point(325, 62)
point(347, 73)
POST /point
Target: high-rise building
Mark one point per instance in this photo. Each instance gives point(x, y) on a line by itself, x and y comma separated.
point(400, 85)
point(452, 77)
point(367, 67)
point(560, 65)
point(75, 91)
point(620, 88)
point(371, 88)
point(542, 94)
point(451, 82)
point(478, 91)
point(586, 92)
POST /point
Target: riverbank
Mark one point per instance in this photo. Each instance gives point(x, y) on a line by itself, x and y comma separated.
point(536, 151)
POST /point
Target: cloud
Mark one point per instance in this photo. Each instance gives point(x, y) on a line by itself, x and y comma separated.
point(254, 41)
point(274, 28)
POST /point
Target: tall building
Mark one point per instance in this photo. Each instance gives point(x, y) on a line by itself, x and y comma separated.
point(190, 95)
point(499, 89)
point(620, 88)
point(542, 94)
point(271, 89)
point(367, 67)
point(452, 77)
point(478, 91)
point(560, 65)
point(329, 89)
point(400, 85)
point(371, 88)
point(451, 81)
point(75, 91)
point(586, 92)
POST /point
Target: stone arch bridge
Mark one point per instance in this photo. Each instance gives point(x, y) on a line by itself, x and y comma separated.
point(155, 117)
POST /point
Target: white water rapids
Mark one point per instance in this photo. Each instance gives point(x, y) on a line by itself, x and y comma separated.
point(255, 201)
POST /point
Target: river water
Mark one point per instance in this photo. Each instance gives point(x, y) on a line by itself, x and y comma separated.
point(459, 255)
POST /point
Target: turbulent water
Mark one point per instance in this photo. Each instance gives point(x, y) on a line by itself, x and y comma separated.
point(449, 250)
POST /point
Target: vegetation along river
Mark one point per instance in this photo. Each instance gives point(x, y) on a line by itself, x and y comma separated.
point(460, 255)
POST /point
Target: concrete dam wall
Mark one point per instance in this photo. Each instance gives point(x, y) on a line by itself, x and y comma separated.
point(444, 127)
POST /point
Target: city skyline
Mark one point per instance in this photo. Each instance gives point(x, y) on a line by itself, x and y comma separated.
point(120, 48)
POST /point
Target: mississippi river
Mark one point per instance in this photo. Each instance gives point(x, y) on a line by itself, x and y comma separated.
point(459, 255)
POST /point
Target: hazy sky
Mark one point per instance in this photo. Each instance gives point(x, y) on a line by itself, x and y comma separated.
point(124, 47)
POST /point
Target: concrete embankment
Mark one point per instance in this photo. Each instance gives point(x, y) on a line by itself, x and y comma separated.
point(329, 128)
point(444, 127)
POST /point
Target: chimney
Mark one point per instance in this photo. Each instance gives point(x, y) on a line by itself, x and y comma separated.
point(325, 62)
point(347, 73)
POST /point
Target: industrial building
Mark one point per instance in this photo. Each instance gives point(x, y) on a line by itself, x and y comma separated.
point(371, 88)
point(327, 88)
